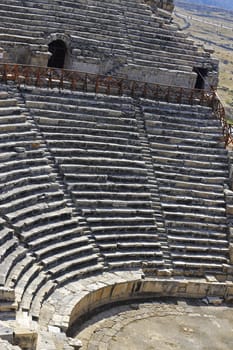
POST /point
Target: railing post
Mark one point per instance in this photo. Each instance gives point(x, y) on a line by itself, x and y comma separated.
point(27, 75)
point(202, 98)
point(156, 94)
point(145, 90)
point(168, 94)
point(133, 89)
point(214, 98)
point(108, 86)
point(37, 82)
point(50, 78)
point(179, 99)
point(191, 97)
point(120, 90)
point(97, 84)
point(61, 80)
point(85, 83)
point(4, 75)
point(16, 73)
point(73, 82)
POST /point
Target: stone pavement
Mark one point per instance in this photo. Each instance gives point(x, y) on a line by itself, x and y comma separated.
point(161, 325)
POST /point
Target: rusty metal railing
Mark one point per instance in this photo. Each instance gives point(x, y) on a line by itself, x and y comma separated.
point(67, 79)
point(46, 77)
point(220, 113)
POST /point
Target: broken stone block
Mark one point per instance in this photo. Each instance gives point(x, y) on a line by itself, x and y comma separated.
point(26, 339)
point(75, 343)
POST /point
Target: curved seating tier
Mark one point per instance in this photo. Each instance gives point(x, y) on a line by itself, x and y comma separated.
point(95, 142)
point(91, 182)
point(191, 168)
point(40, 233)
point(125, 31)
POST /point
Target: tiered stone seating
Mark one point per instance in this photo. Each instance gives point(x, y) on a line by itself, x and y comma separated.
point(123, 29)
point(93, 183)
point(99, 145)
point(40, 234)
point(191, 167)
point(152, 44)
point(10, 120)
point(9, 244)
point(94, 140)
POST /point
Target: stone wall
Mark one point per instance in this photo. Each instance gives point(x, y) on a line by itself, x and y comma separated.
point(109, 288)
point(161, 76)
point(128, 40)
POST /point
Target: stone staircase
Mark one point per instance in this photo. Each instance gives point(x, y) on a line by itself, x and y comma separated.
point(141, 163)
point(96, 182)
point(153, 185)
point(96, 189)
point(95, 143)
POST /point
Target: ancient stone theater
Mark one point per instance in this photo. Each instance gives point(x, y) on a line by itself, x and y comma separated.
point(115, 168)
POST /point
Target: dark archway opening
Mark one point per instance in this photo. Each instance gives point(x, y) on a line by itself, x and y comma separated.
point(201, 75)
point(58, 51)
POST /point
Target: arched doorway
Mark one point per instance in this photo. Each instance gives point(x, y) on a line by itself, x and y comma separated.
point(58, 50)
point(201, 75)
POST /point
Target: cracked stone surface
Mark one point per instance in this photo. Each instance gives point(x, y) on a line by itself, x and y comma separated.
point(160, 325)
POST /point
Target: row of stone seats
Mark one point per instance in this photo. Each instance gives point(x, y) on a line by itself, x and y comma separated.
point(190, 164)
point(149, 43)
point(95, 143)
point(40, 234)
point(107, 177)
point(144, 33)
point(145, 42)
point(9, 249)
point(13, 164)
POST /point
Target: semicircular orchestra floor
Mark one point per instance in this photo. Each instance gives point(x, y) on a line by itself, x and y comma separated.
point(186, 325)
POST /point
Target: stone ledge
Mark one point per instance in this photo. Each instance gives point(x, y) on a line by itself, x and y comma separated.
point(79, 299)
point(26, 339)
